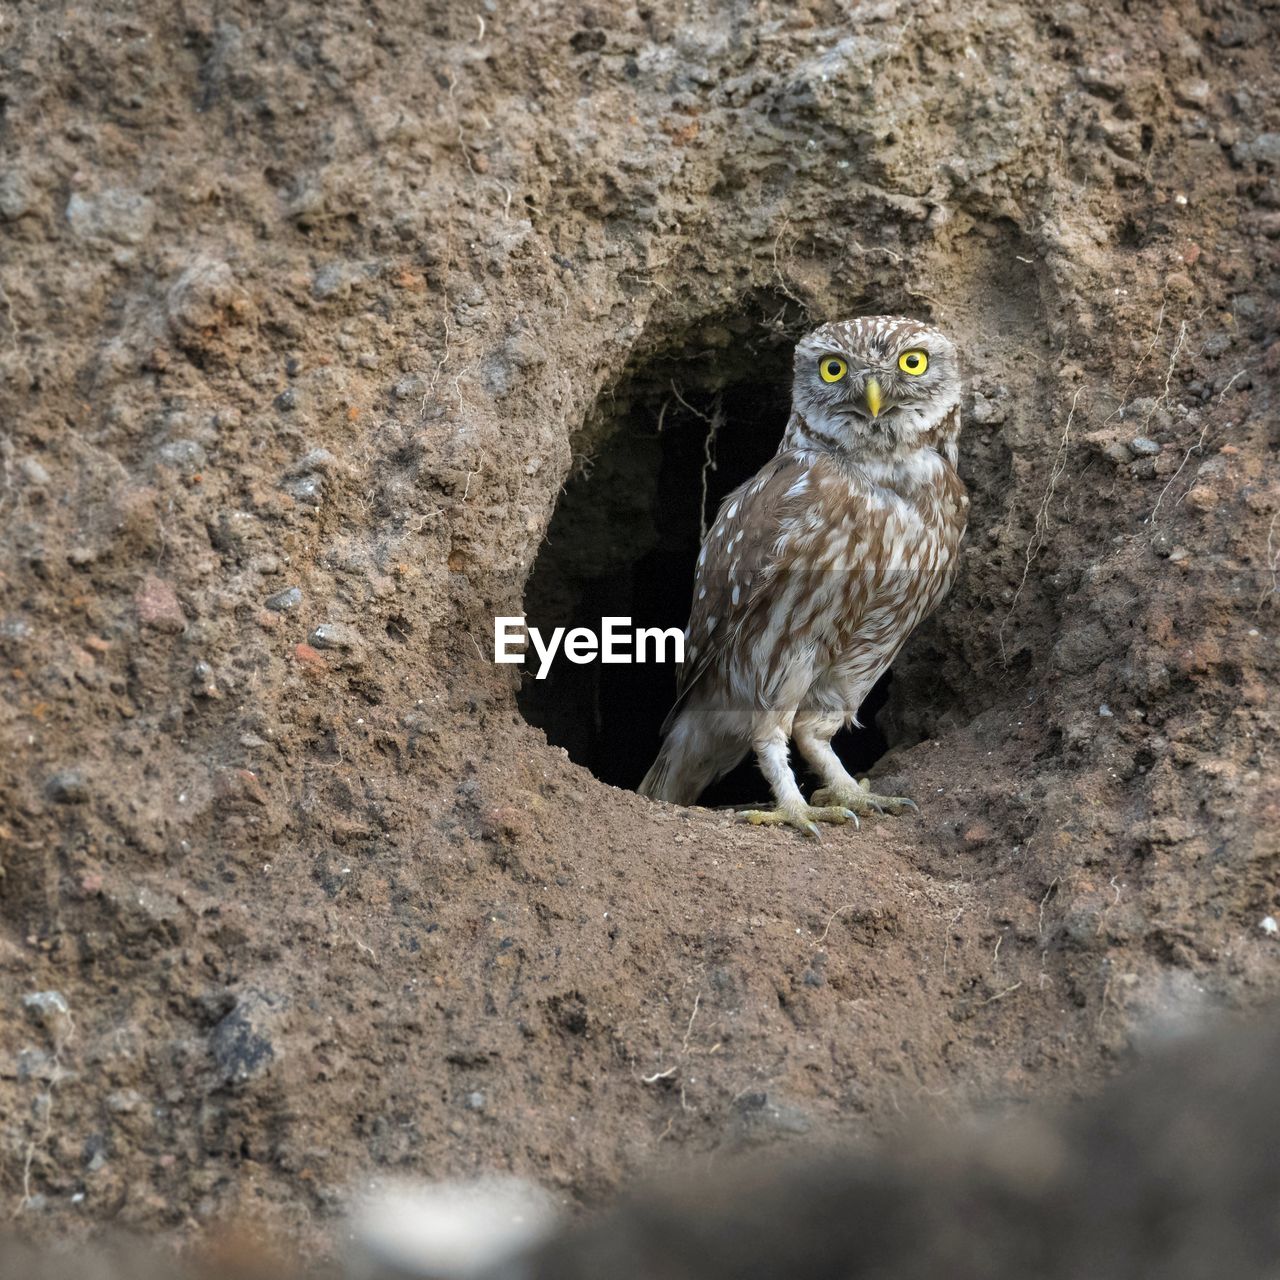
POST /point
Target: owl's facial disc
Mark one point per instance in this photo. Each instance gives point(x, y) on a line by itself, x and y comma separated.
point(877, 384)
point(873, 390)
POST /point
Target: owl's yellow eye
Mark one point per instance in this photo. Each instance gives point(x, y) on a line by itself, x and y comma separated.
point(832, 368)
point(914, 362)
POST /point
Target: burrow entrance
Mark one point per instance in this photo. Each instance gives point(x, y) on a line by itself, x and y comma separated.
point(677, 433)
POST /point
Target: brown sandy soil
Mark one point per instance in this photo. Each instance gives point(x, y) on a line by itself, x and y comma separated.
point(336, 297)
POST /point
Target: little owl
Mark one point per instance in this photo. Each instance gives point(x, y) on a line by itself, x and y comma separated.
point(818, 569)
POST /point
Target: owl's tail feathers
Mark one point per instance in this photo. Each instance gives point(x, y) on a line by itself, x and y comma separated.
point(693, 756)
point(666, 780)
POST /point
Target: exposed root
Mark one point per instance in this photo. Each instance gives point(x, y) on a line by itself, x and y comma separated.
point(1048, 893)
point(714, 421)
point(999, 995)
point(777, 267)
point(1137, 367)
point(1231, 381)
point(45, 1101)
point(672, 1072)
point(660, 1075)
point(1198, 447)
point(838, 911)
point(688, 1031)
point(1163, 399)
point(879, 248)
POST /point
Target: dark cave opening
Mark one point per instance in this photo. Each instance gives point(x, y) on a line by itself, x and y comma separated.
point(678, 433)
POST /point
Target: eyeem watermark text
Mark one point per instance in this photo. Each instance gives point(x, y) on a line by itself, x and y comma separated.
point(617, 641)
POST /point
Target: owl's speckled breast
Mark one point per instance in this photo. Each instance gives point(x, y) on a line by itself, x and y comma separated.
point(871, 556)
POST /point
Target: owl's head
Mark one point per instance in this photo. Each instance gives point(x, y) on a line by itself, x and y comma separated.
point(879, 385)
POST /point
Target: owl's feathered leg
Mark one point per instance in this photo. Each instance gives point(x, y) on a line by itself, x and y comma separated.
point(792, 810)
point(814, 740)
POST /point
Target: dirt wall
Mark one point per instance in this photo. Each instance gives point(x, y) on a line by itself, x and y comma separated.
point(309, 311)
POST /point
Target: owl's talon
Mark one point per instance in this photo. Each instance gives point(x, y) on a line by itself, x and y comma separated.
point(804, 819)
point(862, 799)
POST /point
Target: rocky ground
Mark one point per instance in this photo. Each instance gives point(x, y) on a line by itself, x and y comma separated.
point(308, 313)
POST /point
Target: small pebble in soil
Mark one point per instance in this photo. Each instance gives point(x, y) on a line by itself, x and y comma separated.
point(185, 456)
point(1264, 149)
point(119, 215)
point(14, 632)
point(410, 388)
point(1269, 926)
point(986, 412)
point(313, 460)
point(242, 1043)
point(46, 1006)
point(335, 635)
point(67, 786)
point(761, 1118)
point(1144, 446)
point(308, 489)
point(52, 1012)
point(1192, 93)
point(335, 280)
point(15, 196)
point(158, 605)
point(283, 601)
point(474, 1101)
point(203, 684)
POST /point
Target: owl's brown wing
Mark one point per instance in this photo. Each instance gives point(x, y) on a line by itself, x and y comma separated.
point(739, 559)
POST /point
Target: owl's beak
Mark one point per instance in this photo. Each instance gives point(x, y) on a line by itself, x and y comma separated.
point(873, 397)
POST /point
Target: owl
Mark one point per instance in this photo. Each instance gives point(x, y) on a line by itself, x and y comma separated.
point(818, 569)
